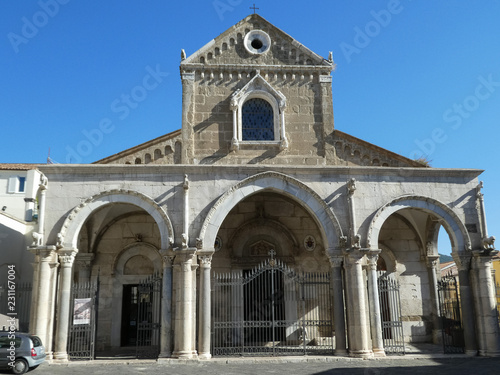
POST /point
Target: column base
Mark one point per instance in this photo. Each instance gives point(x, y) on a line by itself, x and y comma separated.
point(61, 357)
point(378, 352)
point(185, 354)
point(204, 356)
point(471, 353)
point(361, 353)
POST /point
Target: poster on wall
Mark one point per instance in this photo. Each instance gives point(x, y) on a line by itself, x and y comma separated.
point(81, 312)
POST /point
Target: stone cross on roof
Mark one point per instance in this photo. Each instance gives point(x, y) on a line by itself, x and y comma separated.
point(254, 8)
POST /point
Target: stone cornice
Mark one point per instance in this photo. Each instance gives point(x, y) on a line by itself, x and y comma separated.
point(341, 171)
point(325, 69)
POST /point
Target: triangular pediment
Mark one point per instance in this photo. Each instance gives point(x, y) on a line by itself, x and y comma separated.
point(231, 48)
point(256, 84)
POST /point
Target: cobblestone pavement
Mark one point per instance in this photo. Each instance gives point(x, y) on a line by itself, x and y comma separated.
point(293, 366)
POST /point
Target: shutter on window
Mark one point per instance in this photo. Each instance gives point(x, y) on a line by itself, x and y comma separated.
point(12, 185)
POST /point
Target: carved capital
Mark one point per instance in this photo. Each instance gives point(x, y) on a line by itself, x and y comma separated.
point(372, 257)
point(336, 260)
point(84, 260)
point(205, 261)
point(463, 262)
point(432, 260)
point(67, 257)
point(355, 256)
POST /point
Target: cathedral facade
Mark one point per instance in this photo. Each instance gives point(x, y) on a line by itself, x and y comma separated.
point(267, 230)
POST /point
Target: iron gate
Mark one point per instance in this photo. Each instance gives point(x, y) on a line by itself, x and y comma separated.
point(271, 310)
point(449, 310)
point(82, 329)
point(149, 317)
point(23, 304)
point(390, 311)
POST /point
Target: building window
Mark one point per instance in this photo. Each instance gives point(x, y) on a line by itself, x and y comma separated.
point(257, 120)
point(258, 116)
point(22, 183)
point(16, 184)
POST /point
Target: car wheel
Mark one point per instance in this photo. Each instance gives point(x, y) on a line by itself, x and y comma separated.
point(20, 366)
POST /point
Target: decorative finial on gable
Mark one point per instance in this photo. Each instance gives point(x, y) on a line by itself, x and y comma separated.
point(330, 57)
point(183, 54)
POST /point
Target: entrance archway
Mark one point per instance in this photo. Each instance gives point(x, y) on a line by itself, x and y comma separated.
point(406, 230)
point(271, 280)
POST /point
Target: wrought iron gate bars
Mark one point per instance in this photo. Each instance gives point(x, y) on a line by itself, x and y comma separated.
point(390, 311)
point(271, 310)
point(149, 317)
point(83, 320)
point(449, 310)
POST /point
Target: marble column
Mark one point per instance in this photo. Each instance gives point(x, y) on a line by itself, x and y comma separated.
point(205, 307)
point(166, 305)
point(374, 301)
point(356, 304)
point(432, 264)
point(184, 313)
point(41, 321)
point(463, 263)
point(338, 305)
point(486, 304)
point(66, 259)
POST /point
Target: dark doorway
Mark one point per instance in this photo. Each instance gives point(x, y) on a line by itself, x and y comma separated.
point(129, 315)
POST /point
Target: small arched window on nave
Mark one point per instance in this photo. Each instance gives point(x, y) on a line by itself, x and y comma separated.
point(257, 120)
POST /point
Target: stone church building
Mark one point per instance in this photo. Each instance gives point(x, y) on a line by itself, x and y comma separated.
point(266, 229)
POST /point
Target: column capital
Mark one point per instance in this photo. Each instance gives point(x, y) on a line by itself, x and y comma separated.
point(336, 260)
point(483, 257)
point(355, 256)
point(184, 259)
point(205, 258)
point(84, 259)
point(67, 256)
point(432, 260)
point(168, 256)
point(463, 262)
point(372, 257)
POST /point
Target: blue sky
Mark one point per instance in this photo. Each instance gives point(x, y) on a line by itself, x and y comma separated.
point(420, 78)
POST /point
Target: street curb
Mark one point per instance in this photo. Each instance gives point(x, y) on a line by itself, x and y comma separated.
point(254, 360)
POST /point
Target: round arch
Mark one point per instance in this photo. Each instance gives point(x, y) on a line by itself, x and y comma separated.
point(275, 182)
point(455, 228)
point(68, 236)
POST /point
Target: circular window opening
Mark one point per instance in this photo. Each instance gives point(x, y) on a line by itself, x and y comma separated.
point(257, 44)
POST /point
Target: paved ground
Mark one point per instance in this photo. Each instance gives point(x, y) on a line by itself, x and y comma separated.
point(294, 366)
